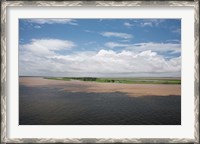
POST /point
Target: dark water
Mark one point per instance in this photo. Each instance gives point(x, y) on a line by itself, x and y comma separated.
point(51, 106)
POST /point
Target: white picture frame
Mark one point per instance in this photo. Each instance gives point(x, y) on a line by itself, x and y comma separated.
point(6, 16)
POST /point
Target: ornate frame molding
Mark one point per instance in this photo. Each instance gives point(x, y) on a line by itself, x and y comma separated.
point(6, 4)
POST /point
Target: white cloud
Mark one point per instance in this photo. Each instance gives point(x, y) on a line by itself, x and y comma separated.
point(117, 34)
point(45, 47)
point(156, 47)
point(88, 31)
point(151, 22)
point(108, 61)
point(128, 24)
point(177, 31)
point(173, 40)
point(87, 63)
point(37, 27)
point(147, 24)
point(52, 21)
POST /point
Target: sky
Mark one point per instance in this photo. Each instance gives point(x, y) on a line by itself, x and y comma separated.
point(100, 47)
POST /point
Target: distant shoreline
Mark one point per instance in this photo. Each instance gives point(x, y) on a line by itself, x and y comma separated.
point(108, 77)
point(121, 80)
point(132, 80)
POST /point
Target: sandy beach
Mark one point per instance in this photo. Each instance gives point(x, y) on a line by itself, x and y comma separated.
point(95, 87)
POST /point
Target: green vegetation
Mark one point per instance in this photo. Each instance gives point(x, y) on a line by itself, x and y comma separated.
point(122, 80)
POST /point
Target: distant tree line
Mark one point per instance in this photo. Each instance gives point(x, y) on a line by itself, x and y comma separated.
point(85, 78)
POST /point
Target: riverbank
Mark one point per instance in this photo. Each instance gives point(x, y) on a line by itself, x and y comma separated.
point(96, 87)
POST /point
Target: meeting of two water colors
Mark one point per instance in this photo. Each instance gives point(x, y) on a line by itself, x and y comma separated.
point(56, 102)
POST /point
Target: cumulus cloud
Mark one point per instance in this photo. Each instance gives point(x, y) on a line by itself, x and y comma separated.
point(52, 21)
point(100, 63)
point(117, 34)
point(46, 46)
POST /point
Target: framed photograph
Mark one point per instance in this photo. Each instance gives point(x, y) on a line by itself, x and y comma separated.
point(99, 72)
